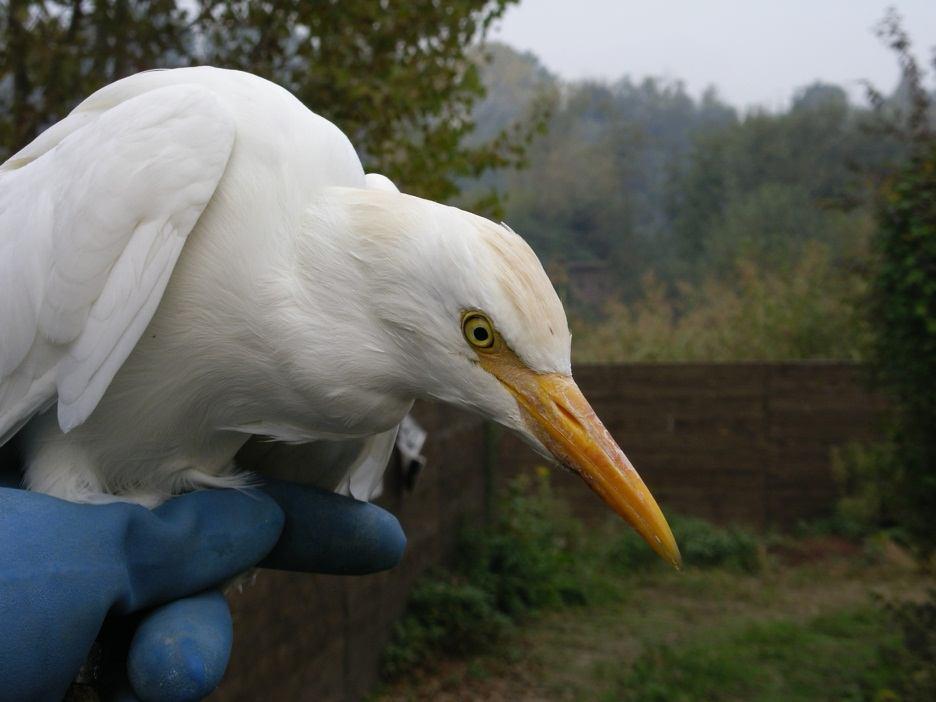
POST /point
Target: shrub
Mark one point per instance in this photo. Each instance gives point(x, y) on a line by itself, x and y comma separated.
point(702, 544)
point(870, 480)
point(523, 562)
point(805, 310)
point(705, 545)
point(917, 658)
point(629, 552)
point(903, 309)
point(905, 352)
point(443, 616)
point(526, 559)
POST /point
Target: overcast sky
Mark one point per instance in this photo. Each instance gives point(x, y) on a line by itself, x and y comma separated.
point(754, 51)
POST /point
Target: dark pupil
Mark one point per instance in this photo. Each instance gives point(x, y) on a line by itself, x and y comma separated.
point(480, 334)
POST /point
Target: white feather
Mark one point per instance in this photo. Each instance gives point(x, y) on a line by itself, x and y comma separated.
point(376, 181)
point(91, 225)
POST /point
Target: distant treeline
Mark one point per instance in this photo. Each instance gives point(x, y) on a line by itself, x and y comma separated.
point(725, 235)
point(645, 177)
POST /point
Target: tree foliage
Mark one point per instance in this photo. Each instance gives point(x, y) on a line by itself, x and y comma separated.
point(904, 290)
point(595, 186)
point(398, 77)
point(774, 182)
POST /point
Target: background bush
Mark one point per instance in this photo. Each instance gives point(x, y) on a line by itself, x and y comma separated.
point(701, 543)
point(916, 659)
point(806, 309)
point(444, 617)
point(904, 297)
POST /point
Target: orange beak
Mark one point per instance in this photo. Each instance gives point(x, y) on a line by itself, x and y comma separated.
point(559, 416)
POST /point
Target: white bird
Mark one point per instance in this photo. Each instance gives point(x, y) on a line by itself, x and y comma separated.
point(192, 257)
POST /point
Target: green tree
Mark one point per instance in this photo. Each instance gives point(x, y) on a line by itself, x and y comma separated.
point(398, 77)
point(766, 186)
point(573, 203)
point(904, 290)
point(54, 53)
point(594, 189)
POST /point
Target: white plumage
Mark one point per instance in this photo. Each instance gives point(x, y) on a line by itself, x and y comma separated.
point(192, 257)
point(93, 219)
point(95, 214)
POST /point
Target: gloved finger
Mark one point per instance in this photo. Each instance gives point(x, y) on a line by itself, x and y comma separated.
point(74, 556)
point(181, 650)
point(64, 566)
point(195, 541)
point(332, 534)
point(58, 579)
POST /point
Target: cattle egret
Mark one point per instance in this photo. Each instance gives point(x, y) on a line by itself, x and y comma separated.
point(192, 257)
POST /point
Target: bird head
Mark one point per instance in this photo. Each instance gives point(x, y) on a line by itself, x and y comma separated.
point(466, 311)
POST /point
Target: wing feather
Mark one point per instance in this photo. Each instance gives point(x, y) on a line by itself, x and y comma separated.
point(93, 216)
point(353, 467)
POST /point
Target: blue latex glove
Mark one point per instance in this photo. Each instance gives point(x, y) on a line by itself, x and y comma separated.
point(64, 567)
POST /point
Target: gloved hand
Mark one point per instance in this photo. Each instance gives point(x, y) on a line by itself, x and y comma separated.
point(64, 567)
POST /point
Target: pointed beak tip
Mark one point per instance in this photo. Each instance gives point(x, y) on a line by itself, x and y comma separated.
point(674, 558)
point(662, 541)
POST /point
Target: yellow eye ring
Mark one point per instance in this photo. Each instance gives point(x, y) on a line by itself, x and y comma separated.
point(478, 330)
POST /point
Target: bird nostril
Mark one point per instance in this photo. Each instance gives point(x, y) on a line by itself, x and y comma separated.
point(569, 416)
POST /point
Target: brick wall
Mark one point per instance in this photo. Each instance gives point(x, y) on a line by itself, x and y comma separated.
point(731, 442)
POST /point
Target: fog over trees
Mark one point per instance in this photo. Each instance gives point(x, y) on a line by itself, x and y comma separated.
point(677, 227)
point(642, 176)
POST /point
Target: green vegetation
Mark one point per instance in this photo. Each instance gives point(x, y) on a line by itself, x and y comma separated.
point(722, 237)
point(892, 485)
point(831, 657)
point(870, 481)
point(916, 658)
point(522, 563)
point(702, 545)
point(641, 177)
point(536, 558)
point(904, 295)
point(539, 607)
point(444, 617)
point(808, 309)
point(527, 559)
point(719, 235)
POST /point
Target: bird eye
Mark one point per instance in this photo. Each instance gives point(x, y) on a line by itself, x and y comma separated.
point(478, 330)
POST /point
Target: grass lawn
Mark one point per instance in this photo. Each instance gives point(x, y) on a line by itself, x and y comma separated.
point(806, 627)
